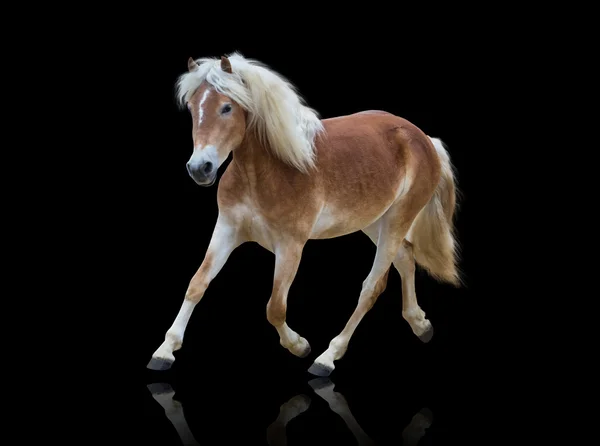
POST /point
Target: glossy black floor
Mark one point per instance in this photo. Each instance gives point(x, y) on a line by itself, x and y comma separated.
point(404, 398)
point(388, 389)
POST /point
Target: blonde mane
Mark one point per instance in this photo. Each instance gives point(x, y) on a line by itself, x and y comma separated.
point(277, 114)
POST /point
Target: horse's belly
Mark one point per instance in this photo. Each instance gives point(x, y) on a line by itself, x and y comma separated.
point(333, 223)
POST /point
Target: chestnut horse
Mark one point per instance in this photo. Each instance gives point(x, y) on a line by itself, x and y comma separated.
point(295, 177)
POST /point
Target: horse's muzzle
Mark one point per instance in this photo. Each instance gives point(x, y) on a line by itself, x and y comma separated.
point(203, 174)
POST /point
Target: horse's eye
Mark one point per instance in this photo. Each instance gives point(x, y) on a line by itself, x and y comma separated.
point(226, 109)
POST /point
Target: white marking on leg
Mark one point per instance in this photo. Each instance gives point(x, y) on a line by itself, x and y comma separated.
point(416, 319)
point(178, 328)
point(200, 109)
point(339, 344)
point(224, 240)
point(291, 340)
point(288, 337)
point(174, 336)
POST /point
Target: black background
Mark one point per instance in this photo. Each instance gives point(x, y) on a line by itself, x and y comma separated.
point(231, 374)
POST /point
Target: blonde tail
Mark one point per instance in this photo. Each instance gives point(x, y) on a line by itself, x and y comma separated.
point(432, 234)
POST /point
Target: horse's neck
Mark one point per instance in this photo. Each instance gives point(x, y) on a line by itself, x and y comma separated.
point(254, 159)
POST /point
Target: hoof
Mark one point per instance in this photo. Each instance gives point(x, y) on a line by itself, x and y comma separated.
point(306, 352)
point(426, 337)
point(294, 349)
point(319, 370)
point(159, 364)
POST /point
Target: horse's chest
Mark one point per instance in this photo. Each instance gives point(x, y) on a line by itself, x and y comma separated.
point(260, 231)
point(255, 226)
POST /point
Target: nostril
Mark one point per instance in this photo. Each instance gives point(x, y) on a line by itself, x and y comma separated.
point(189, 170)
point(207, 168)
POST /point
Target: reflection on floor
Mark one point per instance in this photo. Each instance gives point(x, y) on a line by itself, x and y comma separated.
point(163, 393)
point(295, 406)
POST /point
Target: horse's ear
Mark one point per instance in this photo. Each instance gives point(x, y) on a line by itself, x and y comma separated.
point(192, 65)
point(225, 65)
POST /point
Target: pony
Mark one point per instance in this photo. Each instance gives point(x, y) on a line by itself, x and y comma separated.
point(295, 177)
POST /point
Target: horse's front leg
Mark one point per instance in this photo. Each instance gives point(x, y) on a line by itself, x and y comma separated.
point(287, 260)
point(224, 240)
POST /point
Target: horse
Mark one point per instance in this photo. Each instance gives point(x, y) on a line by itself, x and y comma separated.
point(295, 177)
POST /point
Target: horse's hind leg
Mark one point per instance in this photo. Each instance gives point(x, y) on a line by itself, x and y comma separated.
point(287, 260)
point(405, 264)
point(411, 311)
point(393, 227)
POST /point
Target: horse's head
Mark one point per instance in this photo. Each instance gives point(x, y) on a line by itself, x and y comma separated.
point(219, 125)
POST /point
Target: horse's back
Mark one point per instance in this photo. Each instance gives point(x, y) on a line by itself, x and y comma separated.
point(370, 143)
point(363, 160)
point(372, 123)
